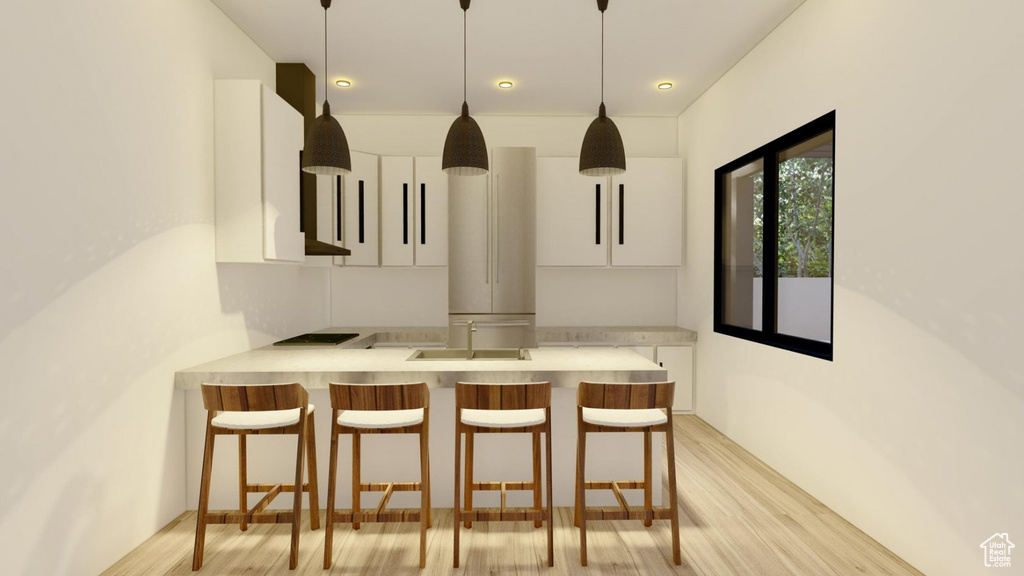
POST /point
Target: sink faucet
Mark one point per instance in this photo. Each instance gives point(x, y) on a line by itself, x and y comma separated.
point(470, 328)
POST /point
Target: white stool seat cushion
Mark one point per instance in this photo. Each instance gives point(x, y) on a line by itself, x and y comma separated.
point(503, 418)
point(380, 418)
point(258, 420)
point(624, 418)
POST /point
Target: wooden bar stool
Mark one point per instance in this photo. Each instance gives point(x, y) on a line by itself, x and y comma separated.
point(359, 409)
point(258, 409)
point(641, 407)
point(503, 408)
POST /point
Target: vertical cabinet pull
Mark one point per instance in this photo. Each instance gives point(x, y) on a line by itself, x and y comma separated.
point(337, 208)
point(597, 222)
point(362, 228)
point(405, 213)
point(622, 214)
point(423, 213)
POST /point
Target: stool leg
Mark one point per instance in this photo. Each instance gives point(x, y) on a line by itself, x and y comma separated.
point(426, 452)
point(576, 486)
point(457, 508)
point(293, 556)
point(204, 497)
point(332, 483)
point(648, 474)
point(672, 496)
point(243, 483)
point(311, 475)
point(581, 466)
point(469, 475)
point(536, 477)
point(424, 495)
point(551, 507)
point(356, 457)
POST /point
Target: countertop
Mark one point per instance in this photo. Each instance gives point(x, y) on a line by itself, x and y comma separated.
point(316, 366)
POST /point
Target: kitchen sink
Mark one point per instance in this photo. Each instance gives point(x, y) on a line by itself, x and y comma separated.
point(463, 353)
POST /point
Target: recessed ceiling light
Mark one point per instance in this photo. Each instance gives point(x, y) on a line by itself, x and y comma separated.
point(664, 86)
point(343, 83)
point(505, 84)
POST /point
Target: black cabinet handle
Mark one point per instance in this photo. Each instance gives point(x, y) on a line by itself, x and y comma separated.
point(362, 228)
point(337, 208)
point(597, 222)
point(622, 214)
point(405, 213)
point(423, 213)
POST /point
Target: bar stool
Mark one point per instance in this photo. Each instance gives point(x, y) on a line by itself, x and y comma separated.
point(611, 407)
point(258, 409)
point(497, 409)
point(359, 409)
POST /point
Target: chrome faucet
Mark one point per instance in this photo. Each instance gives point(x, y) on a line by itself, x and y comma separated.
point(470, 328)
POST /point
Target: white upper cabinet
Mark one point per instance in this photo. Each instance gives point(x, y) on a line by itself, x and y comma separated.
point(634, 219)
point(397, 191)
point(647, 213)
point(572, 215)
point(431, 212)
point(257, 140)
point(361, 196)
point(328, 219)
point(414, 211)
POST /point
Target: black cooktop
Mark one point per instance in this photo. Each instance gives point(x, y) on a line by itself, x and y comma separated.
point(317, 338)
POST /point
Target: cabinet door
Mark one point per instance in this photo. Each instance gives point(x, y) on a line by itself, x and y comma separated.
point(647, 213)
point(572, 215)
point(361, 211)
point(469, 274)
point(678, 360)
point(282, 141)
point(396, 211)
point(431, 214)
point(514, 257)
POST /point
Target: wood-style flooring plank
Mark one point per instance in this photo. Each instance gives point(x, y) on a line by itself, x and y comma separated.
point(737, 517)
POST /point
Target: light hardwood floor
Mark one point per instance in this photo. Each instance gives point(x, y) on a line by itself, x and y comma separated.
point(737, 516)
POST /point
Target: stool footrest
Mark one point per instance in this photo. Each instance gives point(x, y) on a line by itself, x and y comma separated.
point(607, 484)
point(506, 515)
point(270, 487)
point(503, 486)
point(347, 517)
point(630, 514)
point(393, 486)
point(236, 517)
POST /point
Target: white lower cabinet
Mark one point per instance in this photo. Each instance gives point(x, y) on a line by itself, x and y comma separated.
point(678, 360)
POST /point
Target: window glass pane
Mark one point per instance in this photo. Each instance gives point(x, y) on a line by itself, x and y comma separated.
point(804, 305)
point(742, 248)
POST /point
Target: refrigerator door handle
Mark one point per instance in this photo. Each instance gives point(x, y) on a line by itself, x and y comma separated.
point(497, 229)
point(487, 217)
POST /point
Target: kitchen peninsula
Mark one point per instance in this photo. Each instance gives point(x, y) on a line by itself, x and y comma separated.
point(356, 361)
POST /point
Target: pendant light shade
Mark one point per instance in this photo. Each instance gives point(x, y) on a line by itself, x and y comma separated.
point(326, 148)
point(465, 151)
point(602, 153)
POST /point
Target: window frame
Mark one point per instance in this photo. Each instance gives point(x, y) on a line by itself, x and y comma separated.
point(769, 154)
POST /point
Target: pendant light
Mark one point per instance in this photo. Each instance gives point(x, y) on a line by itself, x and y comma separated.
point(465, 152)
point(602, 153)
point(326, 149)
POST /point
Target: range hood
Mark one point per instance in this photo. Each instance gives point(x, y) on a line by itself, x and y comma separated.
point(296, 85)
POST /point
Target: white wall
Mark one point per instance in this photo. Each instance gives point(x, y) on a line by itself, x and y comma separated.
point(419, 296)
point(914, 432)
point(109, 281)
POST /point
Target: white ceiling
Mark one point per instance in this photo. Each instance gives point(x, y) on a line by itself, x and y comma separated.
point(405, 56)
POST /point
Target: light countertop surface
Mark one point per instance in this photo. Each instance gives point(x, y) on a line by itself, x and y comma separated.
point(316, 366)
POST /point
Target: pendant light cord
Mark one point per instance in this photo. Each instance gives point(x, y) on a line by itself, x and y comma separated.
point(602, 56)
point(464, 56)
point(325, 55)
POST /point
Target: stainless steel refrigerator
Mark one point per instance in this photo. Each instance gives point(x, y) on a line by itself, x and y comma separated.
point(492, 252)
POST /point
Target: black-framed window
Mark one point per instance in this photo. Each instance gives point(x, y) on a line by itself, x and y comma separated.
point(774, 214)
